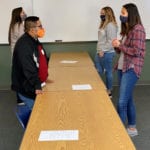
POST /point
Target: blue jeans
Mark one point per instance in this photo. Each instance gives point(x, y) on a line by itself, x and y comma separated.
point(28, 101)
point(104, 65)
point(126, 107)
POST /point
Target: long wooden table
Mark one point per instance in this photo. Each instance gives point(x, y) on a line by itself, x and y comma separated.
point(89, 112)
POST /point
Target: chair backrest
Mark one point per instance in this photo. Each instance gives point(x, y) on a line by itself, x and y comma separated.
point(23, 113)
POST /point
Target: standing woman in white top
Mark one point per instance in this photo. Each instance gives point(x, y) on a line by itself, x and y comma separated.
point(105, 51)
point(16, 28)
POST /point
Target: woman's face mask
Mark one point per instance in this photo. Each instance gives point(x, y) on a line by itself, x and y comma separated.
point(102, 17)
point(23, 17)
point(123, 19)
point(124, 15)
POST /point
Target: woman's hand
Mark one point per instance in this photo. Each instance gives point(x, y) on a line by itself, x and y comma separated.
point(116, 43)
point(101, 54)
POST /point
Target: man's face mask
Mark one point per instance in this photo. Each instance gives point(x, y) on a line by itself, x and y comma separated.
point(40, 33)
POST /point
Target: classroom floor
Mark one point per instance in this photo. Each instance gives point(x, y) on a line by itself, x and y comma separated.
point(11, 131)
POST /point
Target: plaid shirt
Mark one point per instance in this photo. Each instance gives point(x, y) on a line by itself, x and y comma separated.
point(134, 50)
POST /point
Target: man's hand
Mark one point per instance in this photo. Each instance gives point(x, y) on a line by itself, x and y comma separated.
point(49, 81)
point(38, 92)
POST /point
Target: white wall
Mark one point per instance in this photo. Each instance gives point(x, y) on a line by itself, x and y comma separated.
point(69, 20)
point(143, 7)
point(78, 20)
point(6, 7)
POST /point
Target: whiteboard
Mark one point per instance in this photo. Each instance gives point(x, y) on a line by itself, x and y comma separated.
point(69, 20)
point(6, 8)
point(78, 20)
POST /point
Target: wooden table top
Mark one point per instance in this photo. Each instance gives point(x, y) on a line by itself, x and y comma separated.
point(63, 59)
point(90, 112)
point(65, 77)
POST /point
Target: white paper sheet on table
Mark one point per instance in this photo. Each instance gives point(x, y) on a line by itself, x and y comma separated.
point(59, 135)
point(81, 87)
point(68, 61)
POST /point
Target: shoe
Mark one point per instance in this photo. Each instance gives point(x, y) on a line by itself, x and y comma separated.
point(110, 95)
point(20, 103)
point(132, 132)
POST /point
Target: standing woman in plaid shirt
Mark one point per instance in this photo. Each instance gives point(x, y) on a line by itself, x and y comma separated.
point(132, 51)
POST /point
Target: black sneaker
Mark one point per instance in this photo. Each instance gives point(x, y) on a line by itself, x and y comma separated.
point(110, 95)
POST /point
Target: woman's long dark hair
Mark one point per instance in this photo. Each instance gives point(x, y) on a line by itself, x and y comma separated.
point(133, 18)
point(15, 18)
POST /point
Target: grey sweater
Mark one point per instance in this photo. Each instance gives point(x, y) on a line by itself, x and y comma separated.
point(105, 37)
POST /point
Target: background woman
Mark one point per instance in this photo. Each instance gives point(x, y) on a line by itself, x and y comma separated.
point(16, 28)
point(105, 51)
